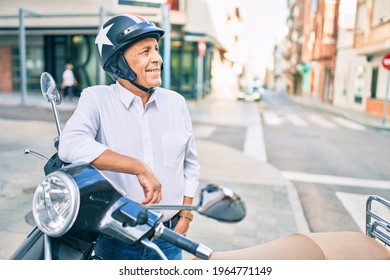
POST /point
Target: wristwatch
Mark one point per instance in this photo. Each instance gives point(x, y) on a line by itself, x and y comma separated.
point(186, 214)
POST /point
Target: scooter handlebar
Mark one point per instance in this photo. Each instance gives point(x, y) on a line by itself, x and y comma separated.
point(197, 249)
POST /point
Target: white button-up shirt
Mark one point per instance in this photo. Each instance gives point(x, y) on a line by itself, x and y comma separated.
point(111, 117)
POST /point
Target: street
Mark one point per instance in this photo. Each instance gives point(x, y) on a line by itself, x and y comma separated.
point(333, 162)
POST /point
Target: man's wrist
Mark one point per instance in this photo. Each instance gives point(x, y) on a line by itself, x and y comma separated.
point(186, 214)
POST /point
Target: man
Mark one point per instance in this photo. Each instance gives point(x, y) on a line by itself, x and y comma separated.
point(68, 81)
point(140, 135)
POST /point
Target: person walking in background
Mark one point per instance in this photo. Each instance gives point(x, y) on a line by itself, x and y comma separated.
point(68, 81)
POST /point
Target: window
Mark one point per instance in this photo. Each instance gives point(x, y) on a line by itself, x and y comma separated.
point(313, 7)
point(34, 67)
point(361, 17)
point(296, 12)
point(359, 83)
point(311, 41)
point(381, 12)
point(329, 28)
point(374, 81)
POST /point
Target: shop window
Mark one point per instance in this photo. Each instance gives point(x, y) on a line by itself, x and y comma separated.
point(34, 68)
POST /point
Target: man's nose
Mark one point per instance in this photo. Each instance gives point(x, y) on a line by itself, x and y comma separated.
point(157, 58)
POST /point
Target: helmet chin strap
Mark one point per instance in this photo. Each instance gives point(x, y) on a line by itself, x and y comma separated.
point(147, 90)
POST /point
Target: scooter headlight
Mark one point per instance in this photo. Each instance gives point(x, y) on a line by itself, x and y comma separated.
point(56, 203)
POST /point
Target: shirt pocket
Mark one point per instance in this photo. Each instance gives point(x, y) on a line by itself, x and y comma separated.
point(173, 148)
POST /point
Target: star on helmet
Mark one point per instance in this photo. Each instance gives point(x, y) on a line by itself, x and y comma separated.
point(102, 38)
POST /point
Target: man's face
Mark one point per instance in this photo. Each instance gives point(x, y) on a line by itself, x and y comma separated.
point(144, 59)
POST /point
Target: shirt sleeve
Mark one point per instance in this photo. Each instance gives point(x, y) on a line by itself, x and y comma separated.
point(78, 139)
point(191, 162)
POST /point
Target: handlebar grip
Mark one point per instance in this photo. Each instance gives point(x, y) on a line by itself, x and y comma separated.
point(197, 249)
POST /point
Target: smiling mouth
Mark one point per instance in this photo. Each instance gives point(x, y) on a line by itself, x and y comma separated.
point(153, 71)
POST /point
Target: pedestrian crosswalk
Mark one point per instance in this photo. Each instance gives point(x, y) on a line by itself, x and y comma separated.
point(331, 122)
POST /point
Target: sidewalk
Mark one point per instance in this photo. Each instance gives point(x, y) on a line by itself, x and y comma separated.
point(230, 143)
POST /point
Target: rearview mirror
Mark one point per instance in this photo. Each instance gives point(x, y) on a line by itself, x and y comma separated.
point(50, 89)
point(221, 203)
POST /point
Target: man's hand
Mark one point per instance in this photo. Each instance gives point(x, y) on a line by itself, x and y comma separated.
point(151, 186)
point(182, 226)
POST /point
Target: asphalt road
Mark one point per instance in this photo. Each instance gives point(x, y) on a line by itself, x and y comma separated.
point(308, 143)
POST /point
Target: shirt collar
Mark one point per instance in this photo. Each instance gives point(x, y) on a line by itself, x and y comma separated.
point(127, 96)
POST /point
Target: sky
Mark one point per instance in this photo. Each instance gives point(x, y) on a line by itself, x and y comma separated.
point(264, 22)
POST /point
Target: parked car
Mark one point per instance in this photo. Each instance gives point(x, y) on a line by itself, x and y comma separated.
point(251, 94)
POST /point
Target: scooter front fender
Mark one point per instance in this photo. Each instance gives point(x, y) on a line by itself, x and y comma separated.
point(32, 247)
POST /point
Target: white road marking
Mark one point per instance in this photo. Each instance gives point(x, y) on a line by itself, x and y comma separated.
point(335, 180)
point(254, 145)
point(355, 204)
point(322, 122)
point(296, 120)
point(349, 124)
point(271, 118)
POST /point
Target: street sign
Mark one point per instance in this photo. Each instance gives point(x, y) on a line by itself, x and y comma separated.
point(386, 61)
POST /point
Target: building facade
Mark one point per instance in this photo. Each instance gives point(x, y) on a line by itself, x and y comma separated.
point(56, 33)
point(293, 51)
point(337, 47)
point(311, 48)
point(372, 41)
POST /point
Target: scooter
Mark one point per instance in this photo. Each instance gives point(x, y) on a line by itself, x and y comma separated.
point(75, 204)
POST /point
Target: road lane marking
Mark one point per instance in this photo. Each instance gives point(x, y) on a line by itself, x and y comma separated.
point(348, 124)
point(271, 118)
point(296, 120)
point(254, 145)
point(322, 122)
point(355, 204)
point(335, 180)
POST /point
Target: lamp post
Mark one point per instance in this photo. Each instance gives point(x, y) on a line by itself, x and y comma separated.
point(22, 49)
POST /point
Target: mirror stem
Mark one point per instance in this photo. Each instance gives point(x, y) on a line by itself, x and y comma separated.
point(56, 116)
